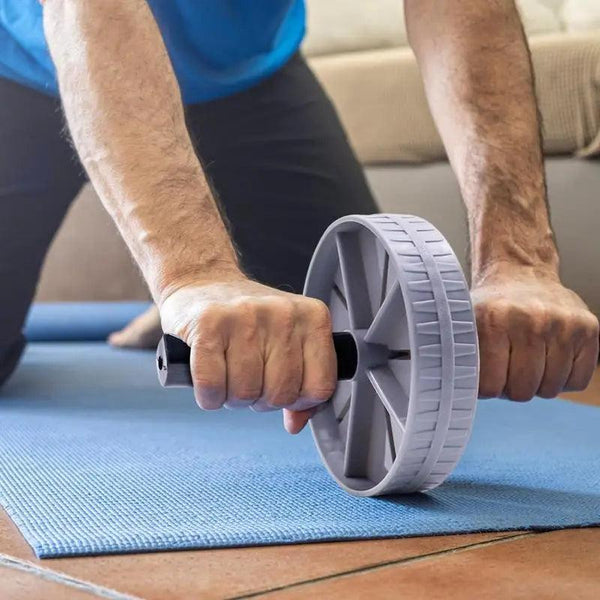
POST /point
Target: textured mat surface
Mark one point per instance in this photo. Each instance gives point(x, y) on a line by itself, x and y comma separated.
point(79, 321)
point(96, 458)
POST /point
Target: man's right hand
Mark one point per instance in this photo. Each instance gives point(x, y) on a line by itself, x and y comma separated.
point(253, 345)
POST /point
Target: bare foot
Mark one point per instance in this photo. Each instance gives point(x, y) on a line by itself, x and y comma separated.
point(143, 332)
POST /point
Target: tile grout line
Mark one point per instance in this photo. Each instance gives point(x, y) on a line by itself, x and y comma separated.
point(386, 564)
point(56, 577)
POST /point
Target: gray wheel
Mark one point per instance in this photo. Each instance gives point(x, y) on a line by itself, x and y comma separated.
point(401, 423)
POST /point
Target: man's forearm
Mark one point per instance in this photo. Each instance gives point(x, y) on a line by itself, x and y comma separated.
point(477, 72)
point(125, 115)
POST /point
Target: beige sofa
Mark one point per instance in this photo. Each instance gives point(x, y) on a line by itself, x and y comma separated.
point(373, 79)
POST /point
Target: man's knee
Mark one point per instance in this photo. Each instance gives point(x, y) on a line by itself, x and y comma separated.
point(10, 354)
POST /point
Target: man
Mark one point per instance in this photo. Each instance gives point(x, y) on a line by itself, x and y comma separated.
point(257, 126)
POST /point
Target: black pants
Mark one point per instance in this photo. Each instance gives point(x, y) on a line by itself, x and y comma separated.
point(276, 155)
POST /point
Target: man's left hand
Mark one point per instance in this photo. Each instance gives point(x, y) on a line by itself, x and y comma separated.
point(536, 337)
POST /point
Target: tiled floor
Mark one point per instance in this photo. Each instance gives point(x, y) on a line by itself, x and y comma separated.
point(553, 565)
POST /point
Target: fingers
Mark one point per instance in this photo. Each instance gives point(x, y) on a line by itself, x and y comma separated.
point(300, 370)
point(586, 359)
point(319, 360)
point(268, 354)
point(244, 360)
point(525, 368)
point(494, 357)
point(283, 370)
point(207, 364)
point(295, 421)
point(530, 347)
point(319, 373)
point(559, 361)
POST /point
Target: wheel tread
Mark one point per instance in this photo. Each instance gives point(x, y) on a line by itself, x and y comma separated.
point(463, 393)
point(444, 353)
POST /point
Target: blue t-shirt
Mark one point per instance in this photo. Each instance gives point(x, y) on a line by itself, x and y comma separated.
point(217, 47)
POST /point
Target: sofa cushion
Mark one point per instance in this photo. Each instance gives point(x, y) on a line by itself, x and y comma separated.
point(335, 26)
point(538, 18)
point(580, 15)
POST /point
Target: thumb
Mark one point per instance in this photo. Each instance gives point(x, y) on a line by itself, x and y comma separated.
point(295, 421)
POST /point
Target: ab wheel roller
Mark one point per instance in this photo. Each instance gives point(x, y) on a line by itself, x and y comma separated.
point(408, 362)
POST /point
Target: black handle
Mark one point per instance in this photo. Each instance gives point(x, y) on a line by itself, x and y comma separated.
point(173, 359)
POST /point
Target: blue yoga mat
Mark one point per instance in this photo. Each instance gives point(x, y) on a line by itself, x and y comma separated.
point(96, 458)
point(79, 321)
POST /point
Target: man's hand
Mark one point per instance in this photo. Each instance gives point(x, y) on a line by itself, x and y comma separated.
point(536, 336)
point(254, 345)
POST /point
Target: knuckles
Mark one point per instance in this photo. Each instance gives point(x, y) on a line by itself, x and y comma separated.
point(535, 319)
point(318, 314)
point(586, 326)
point(281, 313)
point(212, 320)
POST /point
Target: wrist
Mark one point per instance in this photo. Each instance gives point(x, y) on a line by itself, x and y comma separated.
point(499, 271)
point(187, 244)
point(513, 244)
point(222, 271)
point(508, 257)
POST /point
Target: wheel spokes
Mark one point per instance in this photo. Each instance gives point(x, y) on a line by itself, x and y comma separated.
point(378, 332)
point(394, 404)
point(391, 441)
point(341, 400)
point(376, 264)
point(391, 393)
point(371, 417)
point(359, 428)
point(373, 429)
point(355, 280)
point(384, 277)
point(338, 306)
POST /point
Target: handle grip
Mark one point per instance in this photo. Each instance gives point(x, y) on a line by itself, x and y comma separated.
point(173, 359)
